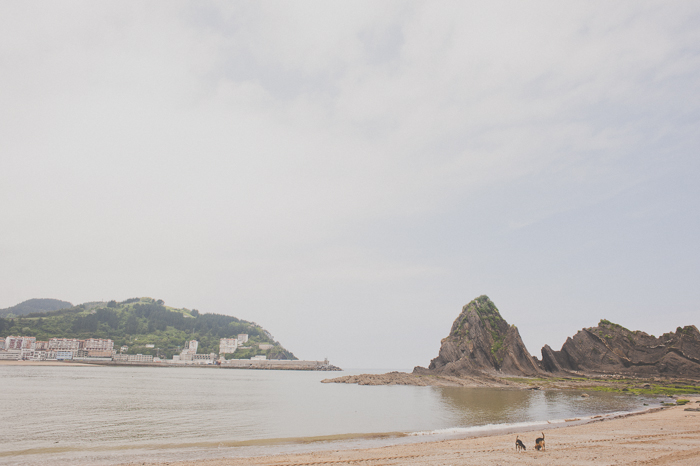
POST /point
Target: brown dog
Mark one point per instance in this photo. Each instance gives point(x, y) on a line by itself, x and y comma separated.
point(519, 445)
point(539, 443)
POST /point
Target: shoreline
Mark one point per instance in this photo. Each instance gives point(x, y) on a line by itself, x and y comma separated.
point(42, 363)
point(657, 435)
point(271, 364)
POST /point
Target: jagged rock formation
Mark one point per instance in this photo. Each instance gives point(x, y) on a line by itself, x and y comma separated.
point(612, 349)
point(482, 343)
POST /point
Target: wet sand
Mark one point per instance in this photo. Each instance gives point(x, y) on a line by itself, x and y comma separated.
point(668, 436)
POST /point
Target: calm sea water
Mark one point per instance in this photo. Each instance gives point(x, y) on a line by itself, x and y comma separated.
point(108, 415)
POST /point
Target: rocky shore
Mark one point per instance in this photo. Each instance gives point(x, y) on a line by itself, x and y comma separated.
point(484, 350)
point(404, 378)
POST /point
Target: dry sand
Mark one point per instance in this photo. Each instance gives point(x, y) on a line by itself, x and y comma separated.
point(661, 437)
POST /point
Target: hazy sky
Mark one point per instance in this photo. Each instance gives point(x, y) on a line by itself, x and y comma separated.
point(348, 174)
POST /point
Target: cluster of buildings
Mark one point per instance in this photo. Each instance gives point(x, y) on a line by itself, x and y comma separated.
point(28, 348)
point(230, 345)
point(189, 355)
point(96, 349)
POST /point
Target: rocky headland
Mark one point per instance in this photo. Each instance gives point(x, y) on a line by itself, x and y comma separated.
point(483, 350)
point(481, 343)
point(612, 349)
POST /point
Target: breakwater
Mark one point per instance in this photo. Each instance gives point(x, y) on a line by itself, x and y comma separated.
point(264, 364)
point(283, 364)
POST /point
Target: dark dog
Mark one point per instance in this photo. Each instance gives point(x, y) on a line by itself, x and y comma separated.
point(519, 445)
point(539, 443)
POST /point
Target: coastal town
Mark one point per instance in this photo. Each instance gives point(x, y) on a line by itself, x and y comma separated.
point(102, 351)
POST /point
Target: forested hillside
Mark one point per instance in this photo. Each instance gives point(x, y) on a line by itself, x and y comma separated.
point(138, 322)
point(34, 305)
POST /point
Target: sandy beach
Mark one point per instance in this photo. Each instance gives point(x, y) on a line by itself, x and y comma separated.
point(42, 363)
point(661, 436)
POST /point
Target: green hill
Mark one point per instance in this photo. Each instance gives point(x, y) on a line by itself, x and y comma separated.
point(34, 305)
point(138, 322)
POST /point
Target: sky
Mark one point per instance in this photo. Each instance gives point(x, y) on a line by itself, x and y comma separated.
point(350, 174)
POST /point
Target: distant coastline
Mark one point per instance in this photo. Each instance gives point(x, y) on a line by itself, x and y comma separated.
point(290, 365)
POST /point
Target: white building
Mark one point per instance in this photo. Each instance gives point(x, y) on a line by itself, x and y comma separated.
point(133, 357)
point(39, 355)
point(19, 343)
point(190, 347)
point(204, 358)
point(64, 355)
point(11, 355)
point(189, 352)
point(259, 357)
point(64, 344)
point(98, 344)
point(242, 338)
point(140, 358)
point(228, 345)
point(13, 343)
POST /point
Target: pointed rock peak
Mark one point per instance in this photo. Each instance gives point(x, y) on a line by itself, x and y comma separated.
point(481, 310)
point(481, 341)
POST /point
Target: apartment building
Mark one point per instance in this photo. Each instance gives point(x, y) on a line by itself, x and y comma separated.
point(190, 347)
point(228, 345)
point(64, 344)
point(19, 343)
point(133, 358)
point(55, 348)
point(10, 355)
point(39, 355)
point(98, 344)
point(42, 345)
point(64, 355)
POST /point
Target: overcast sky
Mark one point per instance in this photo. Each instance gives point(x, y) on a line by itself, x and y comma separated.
point(348, 174)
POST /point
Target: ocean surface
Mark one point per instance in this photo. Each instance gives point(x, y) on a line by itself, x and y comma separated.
point(107, 415)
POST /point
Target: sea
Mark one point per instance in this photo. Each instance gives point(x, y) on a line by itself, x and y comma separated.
point(97, 415)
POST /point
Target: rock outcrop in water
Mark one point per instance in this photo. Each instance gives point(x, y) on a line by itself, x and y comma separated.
point(482, 349)
point(482, 342)
point(612, 349)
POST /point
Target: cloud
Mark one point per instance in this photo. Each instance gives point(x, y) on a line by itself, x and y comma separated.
point(303, 146)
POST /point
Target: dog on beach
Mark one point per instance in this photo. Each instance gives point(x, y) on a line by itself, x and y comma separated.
point(539, 443)
point(519, 445)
